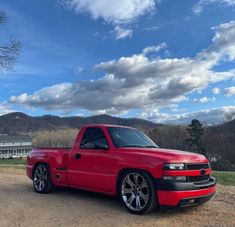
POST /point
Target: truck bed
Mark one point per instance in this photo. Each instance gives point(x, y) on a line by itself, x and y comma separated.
point(57, 157)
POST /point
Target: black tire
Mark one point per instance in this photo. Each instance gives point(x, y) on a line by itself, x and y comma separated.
point(137, 199)
point(42, 179)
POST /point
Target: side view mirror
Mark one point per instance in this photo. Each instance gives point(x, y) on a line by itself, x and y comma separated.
point(101, 146)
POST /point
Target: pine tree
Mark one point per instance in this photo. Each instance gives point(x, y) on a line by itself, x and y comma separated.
point(195, 131)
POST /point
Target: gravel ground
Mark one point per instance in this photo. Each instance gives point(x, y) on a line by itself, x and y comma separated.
point(21, 206)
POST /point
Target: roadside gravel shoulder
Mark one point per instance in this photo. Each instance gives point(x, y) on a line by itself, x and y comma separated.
point(21, 206)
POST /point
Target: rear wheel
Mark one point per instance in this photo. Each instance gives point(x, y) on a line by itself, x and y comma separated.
point(136, 191)
point(42, 179)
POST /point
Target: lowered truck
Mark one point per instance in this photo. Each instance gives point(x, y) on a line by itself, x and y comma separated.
point(123, 161)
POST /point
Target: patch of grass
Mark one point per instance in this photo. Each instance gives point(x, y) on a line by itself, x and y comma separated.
point(12, 161)
point(18, 166)
point(224, 177)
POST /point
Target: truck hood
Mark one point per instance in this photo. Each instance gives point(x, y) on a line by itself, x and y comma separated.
point(168, 155)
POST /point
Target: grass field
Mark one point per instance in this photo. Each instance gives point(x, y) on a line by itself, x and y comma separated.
point(225, 178)
point(14, 163)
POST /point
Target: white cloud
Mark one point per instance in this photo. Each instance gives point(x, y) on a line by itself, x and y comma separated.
point(119, 12)
point(204, 100)
point(223, 46)
point(208, 116)
point(154, 49)
point(122, 33)
point(215, 90)
point(5, 109)
point(50, 97)
point(229, 91)
point(112, 11)
point(200, 5)
point(140, 82)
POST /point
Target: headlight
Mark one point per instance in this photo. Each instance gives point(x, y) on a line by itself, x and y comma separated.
point(175, 166)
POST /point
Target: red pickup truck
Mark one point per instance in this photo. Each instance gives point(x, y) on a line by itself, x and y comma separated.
point(123, 161)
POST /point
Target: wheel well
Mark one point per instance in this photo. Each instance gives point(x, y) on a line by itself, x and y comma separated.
point(122, 171)
point(39, 163)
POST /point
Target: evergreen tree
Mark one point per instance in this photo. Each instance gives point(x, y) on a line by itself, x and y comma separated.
point(195, 131)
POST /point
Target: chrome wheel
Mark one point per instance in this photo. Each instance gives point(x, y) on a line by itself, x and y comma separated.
point(135, 191)
point(40, 178)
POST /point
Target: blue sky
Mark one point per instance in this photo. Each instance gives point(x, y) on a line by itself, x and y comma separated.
point(166, 61)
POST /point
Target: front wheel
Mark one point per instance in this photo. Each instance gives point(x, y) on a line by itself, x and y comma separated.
point(136, 191)
point(42, 179)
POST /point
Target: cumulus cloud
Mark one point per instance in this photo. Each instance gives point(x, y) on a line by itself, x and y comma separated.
point(215, 90)
point(119, 12)
point(48, 97)
point(113, 11)
point(208, 116)
point(204, 100)
point(223, 46)
point(200, 5)
point(229, 91)
point(140, 82)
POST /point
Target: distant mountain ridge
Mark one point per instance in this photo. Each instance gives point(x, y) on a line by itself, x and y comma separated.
point(18, 122)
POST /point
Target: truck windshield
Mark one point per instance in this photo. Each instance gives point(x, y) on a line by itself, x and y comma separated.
point(128, 137)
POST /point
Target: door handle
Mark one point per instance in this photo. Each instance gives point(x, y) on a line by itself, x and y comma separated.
point(77, 156)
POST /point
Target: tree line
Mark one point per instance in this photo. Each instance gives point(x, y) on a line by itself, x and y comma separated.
point(217, 143)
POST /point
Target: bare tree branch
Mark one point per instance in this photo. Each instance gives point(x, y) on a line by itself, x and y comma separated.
point(8, 52)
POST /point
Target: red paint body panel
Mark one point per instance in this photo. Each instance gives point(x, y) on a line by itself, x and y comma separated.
point(55, 158)
point(172, 198)
point(98, 170)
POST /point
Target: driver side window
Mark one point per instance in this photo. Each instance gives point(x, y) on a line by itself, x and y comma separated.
point(93, 138)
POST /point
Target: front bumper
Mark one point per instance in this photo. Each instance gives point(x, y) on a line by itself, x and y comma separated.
point(182, 194)
point(195, 200)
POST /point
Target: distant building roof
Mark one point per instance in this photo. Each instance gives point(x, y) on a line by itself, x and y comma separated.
point(21, 138)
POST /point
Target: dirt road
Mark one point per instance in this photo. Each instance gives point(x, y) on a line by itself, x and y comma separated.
point(21, 206)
